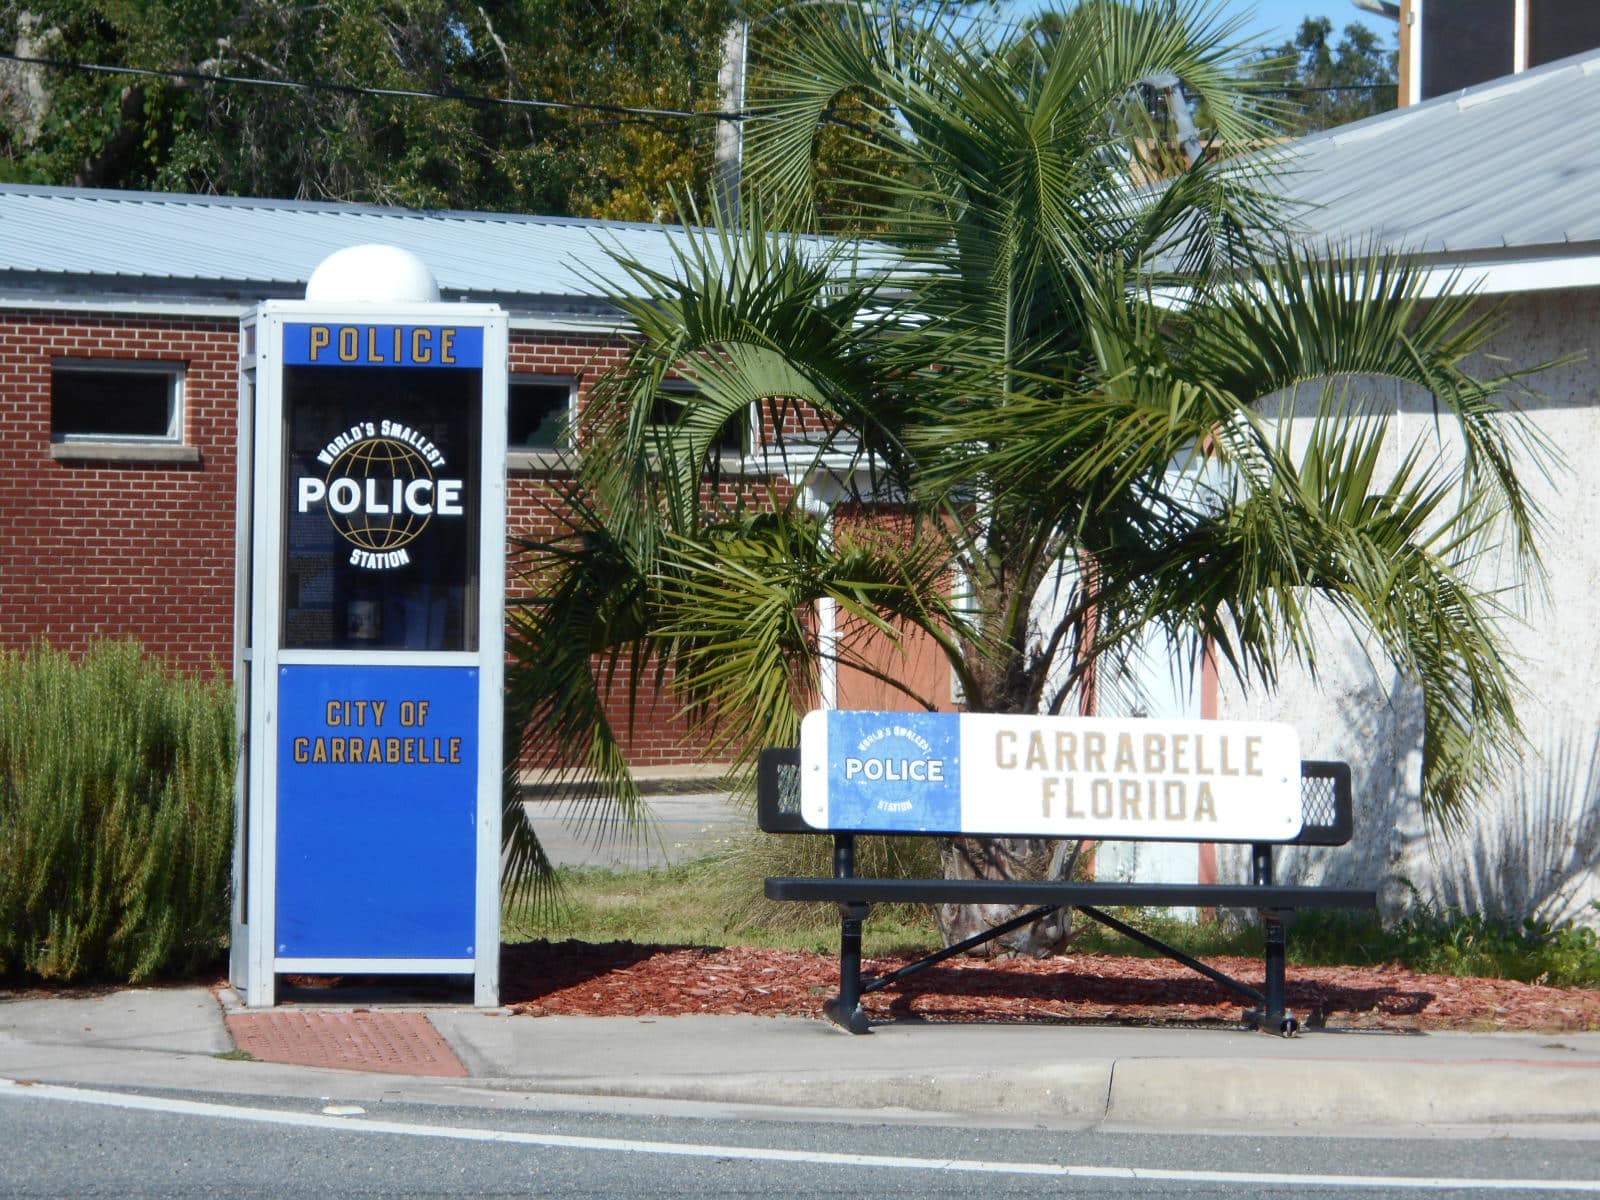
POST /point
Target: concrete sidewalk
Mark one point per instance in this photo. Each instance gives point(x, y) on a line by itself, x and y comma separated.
point(1124, 1077)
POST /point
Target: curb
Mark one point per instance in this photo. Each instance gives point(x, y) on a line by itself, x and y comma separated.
point(1076, 1091)
point(1160, 1092)
point(1315, 1092)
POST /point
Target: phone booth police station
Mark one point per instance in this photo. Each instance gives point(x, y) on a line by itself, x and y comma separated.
point(370, 630)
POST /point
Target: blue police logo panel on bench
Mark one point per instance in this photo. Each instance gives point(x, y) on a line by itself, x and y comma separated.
point(1037, 776)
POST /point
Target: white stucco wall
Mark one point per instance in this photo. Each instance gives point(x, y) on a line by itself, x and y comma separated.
point(1150, 688)
point(1535, 849)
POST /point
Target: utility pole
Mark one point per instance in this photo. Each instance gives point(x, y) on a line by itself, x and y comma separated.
point(729, 153)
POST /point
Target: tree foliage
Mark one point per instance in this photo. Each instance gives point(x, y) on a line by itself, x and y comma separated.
point(1327, 83)
point(333, 143)
point(1065, 381)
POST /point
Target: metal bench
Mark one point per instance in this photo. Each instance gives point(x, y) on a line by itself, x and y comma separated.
point(1327, 821)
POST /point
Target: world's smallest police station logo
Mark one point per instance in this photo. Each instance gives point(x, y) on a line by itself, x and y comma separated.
point(383, 482)
point(380, 491)
point(894, 771)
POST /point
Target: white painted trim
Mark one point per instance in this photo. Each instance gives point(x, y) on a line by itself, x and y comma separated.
point(378, 658)
point(1413, 54)
point(92, 305)
point(233, 310)
point(239, 969)
point(1542, 274)
point(266, 590)
point(445, 313)
point(1519, 36)
point(373, 966)
point(491, 654)
point(1441, 278)
point(594, 326)
point(821, 507)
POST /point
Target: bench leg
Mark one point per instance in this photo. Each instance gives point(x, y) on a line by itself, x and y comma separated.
point(1275, 1017)
point(844, 1010)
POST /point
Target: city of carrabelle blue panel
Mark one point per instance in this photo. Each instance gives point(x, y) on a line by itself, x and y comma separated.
point(377, 811)
point(358, 344)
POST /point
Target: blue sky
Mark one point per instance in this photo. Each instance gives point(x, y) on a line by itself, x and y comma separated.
point(1273, 22)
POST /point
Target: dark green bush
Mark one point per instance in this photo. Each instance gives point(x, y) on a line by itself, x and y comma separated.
point(116, 814)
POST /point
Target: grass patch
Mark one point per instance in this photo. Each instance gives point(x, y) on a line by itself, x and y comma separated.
point(704, 902)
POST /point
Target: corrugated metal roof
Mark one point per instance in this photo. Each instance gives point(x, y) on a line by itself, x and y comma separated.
point(1509, 165)
point(200, 244)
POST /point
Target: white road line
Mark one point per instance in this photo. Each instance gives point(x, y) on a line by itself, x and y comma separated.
point(11, 1089)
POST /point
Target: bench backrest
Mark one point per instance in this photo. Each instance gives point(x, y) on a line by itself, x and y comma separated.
point(1325, 800)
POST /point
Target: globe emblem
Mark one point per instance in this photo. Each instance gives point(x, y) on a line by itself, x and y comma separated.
point(384, 462)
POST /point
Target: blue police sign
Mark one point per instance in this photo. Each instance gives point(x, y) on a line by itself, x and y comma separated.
point(377, 807)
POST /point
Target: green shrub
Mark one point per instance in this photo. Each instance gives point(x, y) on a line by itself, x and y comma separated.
point(1452, 942)
point(1436, 941)
point(116, 813)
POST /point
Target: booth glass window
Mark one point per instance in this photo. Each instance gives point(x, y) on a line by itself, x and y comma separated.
point(381, 497)
point(116, 402)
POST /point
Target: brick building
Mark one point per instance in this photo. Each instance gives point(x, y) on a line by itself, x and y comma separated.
point(120, 376)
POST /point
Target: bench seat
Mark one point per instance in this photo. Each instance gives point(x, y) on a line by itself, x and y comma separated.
point(1063, 893)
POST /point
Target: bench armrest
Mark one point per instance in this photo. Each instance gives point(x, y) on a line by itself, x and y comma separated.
point(778, 791)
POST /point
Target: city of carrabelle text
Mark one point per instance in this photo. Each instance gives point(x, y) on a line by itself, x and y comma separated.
point(368, 746)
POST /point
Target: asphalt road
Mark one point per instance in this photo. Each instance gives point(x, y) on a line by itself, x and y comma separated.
point(62, 1142)
point(682, 826)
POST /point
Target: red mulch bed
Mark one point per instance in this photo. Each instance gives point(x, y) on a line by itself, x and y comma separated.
point(625, 979)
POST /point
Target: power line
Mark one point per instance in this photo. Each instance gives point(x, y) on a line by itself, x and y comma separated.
point(350, 89)
point(1293, 89)
point(620, 110)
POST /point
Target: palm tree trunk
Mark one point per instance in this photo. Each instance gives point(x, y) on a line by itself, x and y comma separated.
point(1006, 858)
point(1006, 684)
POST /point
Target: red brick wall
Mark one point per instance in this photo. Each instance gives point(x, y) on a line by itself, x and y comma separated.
point(93, 549)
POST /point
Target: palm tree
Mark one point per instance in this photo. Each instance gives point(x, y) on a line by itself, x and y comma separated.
point(1035, 361)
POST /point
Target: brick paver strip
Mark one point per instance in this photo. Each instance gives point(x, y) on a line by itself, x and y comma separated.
point(396, 1043)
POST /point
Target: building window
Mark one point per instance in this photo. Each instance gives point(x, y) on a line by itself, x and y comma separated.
point(667, 411)
point(139, 403)
point(1557, 28)
point(538, 414)
point(1466, 42)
